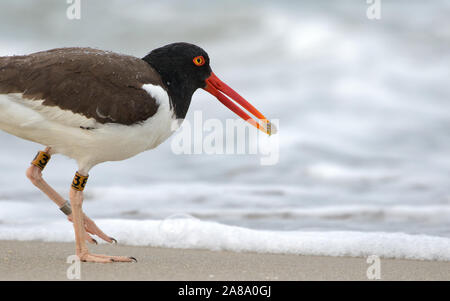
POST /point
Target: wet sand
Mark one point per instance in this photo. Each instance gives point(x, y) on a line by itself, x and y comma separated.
point(33, 260)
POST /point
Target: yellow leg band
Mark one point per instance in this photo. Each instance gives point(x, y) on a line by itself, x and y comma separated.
point(41, 160)
point(79, 181)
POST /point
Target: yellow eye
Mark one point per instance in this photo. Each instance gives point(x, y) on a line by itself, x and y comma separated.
point(199, 60)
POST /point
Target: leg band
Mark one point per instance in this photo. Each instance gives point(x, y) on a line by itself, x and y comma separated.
point(79, 181)
point(66, 209)
point(41, 160)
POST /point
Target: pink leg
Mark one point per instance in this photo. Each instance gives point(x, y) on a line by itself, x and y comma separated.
point(34, 174)
point(76, 198)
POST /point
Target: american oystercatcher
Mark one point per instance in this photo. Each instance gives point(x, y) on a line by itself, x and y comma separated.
point(96, 106)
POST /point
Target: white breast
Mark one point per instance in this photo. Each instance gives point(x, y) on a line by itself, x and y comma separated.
point(60, 129)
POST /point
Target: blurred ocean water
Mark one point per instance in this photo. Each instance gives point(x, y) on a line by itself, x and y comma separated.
point(363, 108)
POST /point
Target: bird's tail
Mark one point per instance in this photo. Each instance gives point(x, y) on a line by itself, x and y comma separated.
point(7, 72)
point(3, 61)
point(2, 67)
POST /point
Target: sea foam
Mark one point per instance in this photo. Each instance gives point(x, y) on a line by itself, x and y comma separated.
point(186, 232)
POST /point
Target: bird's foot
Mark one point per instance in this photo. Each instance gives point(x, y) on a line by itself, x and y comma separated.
point(99, 258)
point(91, 228)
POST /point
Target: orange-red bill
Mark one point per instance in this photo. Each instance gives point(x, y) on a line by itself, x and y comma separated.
point(219, 89)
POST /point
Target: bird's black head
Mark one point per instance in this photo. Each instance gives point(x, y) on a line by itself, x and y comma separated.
point(183, 68)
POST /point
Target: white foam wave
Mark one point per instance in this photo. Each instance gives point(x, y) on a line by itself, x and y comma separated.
point(193, 233)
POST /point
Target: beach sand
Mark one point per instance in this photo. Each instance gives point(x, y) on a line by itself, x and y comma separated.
point(33, 260)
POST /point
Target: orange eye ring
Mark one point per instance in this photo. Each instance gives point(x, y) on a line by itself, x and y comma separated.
point(199, 60)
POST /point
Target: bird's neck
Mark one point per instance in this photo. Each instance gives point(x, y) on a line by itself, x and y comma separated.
point(180, 96)
point(179, 89)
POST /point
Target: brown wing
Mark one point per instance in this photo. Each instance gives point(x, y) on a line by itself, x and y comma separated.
point(97, 84)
